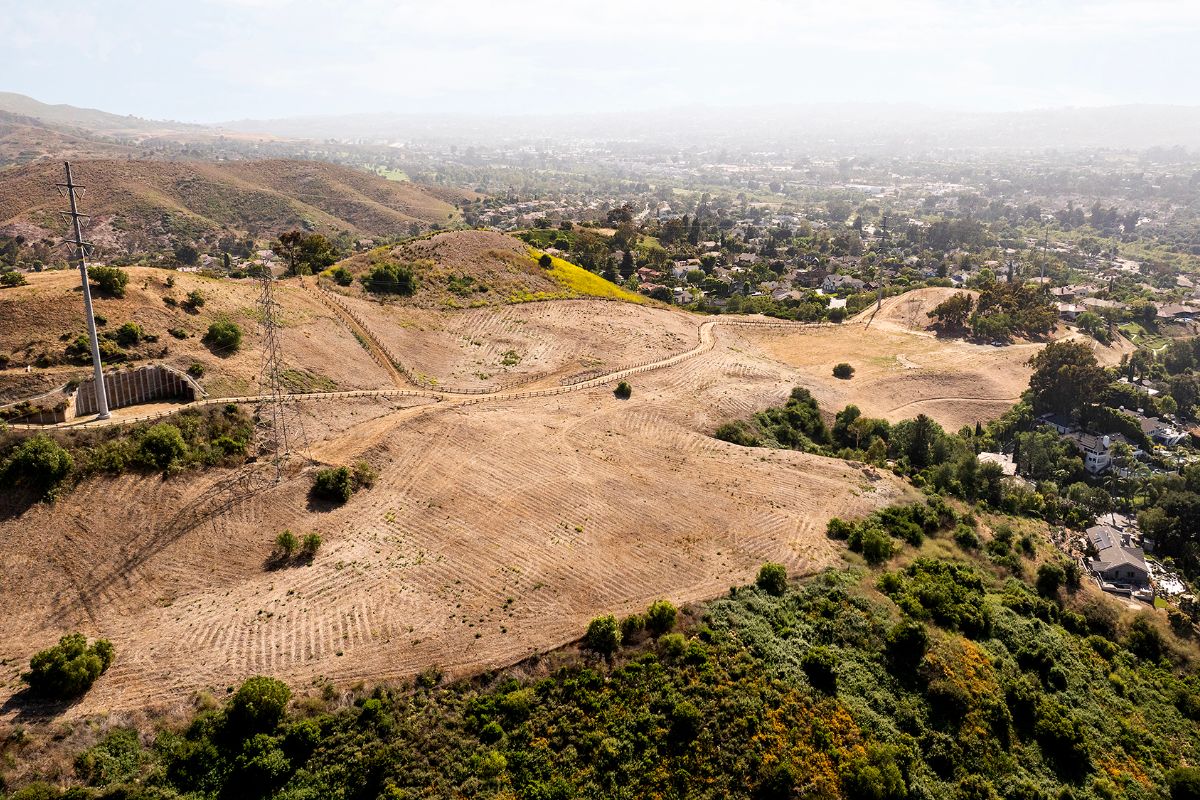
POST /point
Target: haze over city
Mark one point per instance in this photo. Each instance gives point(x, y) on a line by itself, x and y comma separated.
point(219, 60)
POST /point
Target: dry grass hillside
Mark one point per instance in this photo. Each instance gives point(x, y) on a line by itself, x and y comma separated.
point(902, 369)
point(144, 205)
point(497, 526)
point(43, 318)
point(472, 268)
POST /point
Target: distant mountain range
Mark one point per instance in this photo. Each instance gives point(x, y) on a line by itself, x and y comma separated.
point(840, 126)
point(31, 130)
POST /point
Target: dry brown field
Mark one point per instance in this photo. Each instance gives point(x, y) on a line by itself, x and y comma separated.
point(498, 526)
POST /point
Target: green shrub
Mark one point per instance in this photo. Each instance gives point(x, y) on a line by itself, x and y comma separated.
point(178, 333)
point(545, 262)
point(258, 705)
point(966, 538)
point(194, 300)
point(341, 276)
point(874, 543)
point(69, 668)
point(950, 594)
point(335, 484)
point(631, 626)
point(738, 433)
point(310, 545)
point(772, 578)
point(162, 446)
point(623, 390)
point(115, 758)
point(364, 476)
point(224, 337)
point(390, 278)
point(905, 646)
point(843, 371)
point(196, 369)
point(286, 544)
point(39, 464)
point(672, 645)
point(660, 617)
point(109, 280)
point(10, 278)
point(1050, 576)
point(129, 334)
point(603, 635)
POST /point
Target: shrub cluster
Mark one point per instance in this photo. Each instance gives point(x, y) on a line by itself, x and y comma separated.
point(69, 668)
point(338, 484)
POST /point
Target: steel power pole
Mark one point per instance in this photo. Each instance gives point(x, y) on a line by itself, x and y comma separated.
point(80, 255)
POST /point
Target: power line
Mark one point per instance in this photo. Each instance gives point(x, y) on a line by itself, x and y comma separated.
point(79, 253)
point(280, 425)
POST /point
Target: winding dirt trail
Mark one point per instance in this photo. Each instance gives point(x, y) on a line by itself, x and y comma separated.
point(707, 340)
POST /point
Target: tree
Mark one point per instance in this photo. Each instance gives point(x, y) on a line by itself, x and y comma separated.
point(660, 617)
point(623, 391)
point(69, 668)
point(603, 635)
point(187, 254)
point(224, 337)
point(1065, 375)
point(39, 464)
point(162, 446)
point(953, 312)
point(843, 371)
point(335, 484)
point(772, 578)
point(109, 280)
point(306, 253)
point(258, 705)
point(390, 277)
point(545, 262)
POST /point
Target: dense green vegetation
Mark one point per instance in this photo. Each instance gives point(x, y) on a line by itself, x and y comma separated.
point(40, 466)
point(390, 277)
point(952, 683)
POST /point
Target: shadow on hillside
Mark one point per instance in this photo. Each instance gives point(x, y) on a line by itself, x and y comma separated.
point(319, 505)
point(15, 501)
point(27, 706)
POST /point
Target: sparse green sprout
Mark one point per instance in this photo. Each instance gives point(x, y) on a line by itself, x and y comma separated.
point(311, 544)
point(286, 543)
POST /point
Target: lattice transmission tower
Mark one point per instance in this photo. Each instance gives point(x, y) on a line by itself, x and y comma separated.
point(280, 426)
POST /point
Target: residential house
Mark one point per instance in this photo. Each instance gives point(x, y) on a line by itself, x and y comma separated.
point(1069, 311)
point(1060, 422)
point(836, 283)
point(1119, 565)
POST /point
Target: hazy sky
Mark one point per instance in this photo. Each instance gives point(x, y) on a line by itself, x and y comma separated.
point(211, 60)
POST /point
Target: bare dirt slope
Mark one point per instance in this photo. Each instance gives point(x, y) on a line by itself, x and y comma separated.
point(493, 530)
point(497, 526)
point(902, 370)
point(543, 342)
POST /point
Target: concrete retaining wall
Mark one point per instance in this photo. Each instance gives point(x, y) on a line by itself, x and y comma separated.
point(133, 386)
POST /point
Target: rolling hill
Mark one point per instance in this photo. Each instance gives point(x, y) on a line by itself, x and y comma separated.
point(147, 205)
point(472, 268)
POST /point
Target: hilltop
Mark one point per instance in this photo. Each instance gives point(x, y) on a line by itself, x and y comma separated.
point(136, 206)
point(474, 268)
